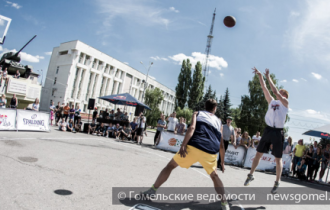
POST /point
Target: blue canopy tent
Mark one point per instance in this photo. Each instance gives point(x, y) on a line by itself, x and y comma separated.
point(125, 99)
point(321, 132)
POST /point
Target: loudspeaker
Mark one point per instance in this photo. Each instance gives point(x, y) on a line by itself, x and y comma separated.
point(138, 110)
point(91, 103)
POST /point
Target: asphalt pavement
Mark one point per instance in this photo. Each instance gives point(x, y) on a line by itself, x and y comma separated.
point(62, 170)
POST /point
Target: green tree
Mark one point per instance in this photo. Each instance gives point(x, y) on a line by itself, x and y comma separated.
point(153, 98)
point(184, 84)
point(185, 113)
point(197, 86)
point(219, 112)
point(201, 104)
point(254, 106)
point(226, 106)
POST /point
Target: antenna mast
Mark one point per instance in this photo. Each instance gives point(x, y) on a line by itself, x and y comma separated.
point(208, 49)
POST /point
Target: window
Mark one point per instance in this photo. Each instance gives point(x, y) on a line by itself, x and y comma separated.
point(63, 52)
point(74, 83)
point(55, 80)
point(57, 69)
point(89, 82)
point(53, 91)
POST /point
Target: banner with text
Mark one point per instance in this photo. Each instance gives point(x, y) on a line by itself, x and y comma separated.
point(267, 161)
point(235, 156)
point(170, 141)
point(7, 119)
point(32, 120)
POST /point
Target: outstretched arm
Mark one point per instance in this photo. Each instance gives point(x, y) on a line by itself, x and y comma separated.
point(268, 97)
point(274, 89)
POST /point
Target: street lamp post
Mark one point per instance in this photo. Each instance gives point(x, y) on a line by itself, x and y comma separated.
point(146, 85)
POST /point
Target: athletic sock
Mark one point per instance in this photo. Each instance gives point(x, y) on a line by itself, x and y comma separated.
point(154, 188)
point(224, 203)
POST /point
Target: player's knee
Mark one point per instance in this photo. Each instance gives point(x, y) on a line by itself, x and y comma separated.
point(171, 165)
point(278, 161)
point(214, 175)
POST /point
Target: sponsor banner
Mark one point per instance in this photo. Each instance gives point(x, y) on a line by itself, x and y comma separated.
point(267, 161)
point(7, 119)
point(170, 141)
point(235, 156)
point(32, 120)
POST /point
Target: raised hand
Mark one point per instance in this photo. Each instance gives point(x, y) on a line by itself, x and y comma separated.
point(266, 73)
point(256, 71)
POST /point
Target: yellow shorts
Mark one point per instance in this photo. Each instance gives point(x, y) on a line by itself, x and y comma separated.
point(208, 161)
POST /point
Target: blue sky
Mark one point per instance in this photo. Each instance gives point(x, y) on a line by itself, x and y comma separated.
point(291, 38)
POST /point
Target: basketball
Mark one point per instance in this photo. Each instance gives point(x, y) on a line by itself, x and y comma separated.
point(172, 141)
point(229, 21)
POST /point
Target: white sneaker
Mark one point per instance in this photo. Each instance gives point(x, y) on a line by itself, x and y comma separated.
point(225, 206)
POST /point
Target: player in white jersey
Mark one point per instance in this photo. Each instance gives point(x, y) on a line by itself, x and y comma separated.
point(273, 133)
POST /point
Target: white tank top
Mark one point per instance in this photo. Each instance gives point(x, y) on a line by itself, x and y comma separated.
point(276, 114)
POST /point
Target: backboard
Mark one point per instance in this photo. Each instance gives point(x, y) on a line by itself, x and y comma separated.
point(4, 25)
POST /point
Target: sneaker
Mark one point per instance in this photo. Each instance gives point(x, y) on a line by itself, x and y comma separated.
point(274, 190)
point(149, 192)
point(248, 180)
point(225, 206)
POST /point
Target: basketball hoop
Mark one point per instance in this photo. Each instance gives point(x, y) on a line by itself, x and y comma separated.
point(4, 25)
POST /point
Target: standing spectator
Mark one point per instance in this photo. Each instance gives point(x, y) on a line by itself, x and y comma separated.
point(238, 136)
point(60, 111)
point(172, 121)
point(105, 114)
point(228, 134)
point(118, 114)
point(62, 126)
point(125, 133)
point(245, 140)
point(4, 77)
point(256, 139)
point(317, 160)
point(66, 111)
point(180, 127)
point(35, 105)
point(100, 130)
point(134, 127)
point(78, 125)
point(301, 169)
point(13, 102)
point(52, 111)
point(298, 153)
point(92, 128)
point(17, 75)
point(57, 113)
point(3, 101)
point(69, 126)
point(288, 147)
point(325, 162)
point(315, 146)
point(77, 114)
point(71, 113)
point(161, 125)
point(112, 115)
point(125, 117)
point(110, 131)
point(141, 121)
point(95, 113)
point(310, 161)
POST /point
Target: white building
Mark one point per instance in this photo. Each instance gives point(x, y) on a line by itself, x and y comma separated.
point(77, 72)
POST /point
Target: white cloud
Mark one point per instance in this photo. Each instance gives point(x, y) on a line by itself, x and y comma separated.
point(303, 79)
point(25, 56)
point(214, 61)
point(140, 12)
point(290, 110)
point(174, 10)
point(201, 23)
point(48, 53)
point(157, 58)
point(221, 75)
point(294, 13)
point(311, 114)
point(283, 80)
point(2, 22)
point(1, 48)
point(317, 76)
point(126, 63)
point(308, 35)
point(294, 80)
point(15, 5)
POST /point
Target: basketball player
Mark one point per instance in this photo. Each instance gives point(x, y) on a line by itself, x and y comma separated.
point(273, 133)
point(201, 144)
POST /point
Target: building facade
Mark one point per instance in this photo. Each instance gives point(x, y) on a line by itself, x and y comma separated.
point(77, 72)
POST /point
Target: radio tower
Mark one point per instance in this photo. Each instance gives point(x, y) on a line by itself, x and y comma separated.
point(208, 50)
